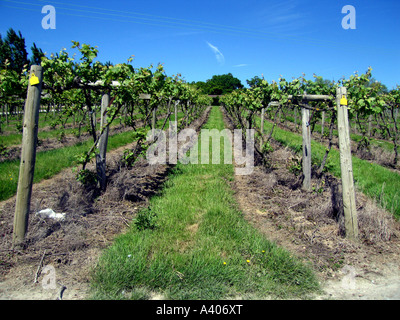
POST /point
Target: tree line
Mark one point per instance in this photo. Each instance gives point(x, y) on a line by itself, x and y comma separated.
point(13, 50)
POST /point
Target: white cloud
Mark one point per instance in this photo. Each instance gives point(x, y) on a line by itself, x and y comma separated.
point(240, 65)
point(218, 54)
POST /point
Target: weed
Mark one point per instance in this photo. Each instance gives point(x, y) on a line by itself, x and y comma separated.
point(146, 219)
point(53, 124)
point(3, 150)
point(319, 188)
point(61, 136)
point(295, 166)
point(19, 127)
point(267, 148)
point(86, 177)
point(130, 156)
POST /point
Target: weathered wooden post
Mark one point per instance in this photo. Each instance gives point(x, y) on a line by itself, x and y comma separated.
point(102, 144)
point(322, 124)
point(306, 132)
point(262, 128)
point(6, 113)
point(176, 112)
point(369, 125)
point(153, 122)
point(349, 202)
point(147, 97)
point(28, 156)
point(93, 118)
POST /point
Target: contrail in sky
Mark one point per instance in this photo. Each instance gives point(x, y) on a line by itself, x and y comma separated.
point(218, 54)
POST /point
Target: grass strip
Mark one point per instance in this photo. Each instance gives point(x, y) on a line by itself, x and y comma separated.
point(386, 145)
point(201, 247)
point(50, 162)
point(375, 181)
point(15, 138)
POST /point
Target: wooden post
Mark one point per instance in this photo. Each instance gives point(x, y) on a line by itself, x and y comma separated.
point(2, 115)
point(306, 132)
point(369, 125)
point(102, 144)
point(6, 113)
point(176, 112)
point(295, 118)
point(153, 121)
point(349, 203)
point(153, 124)
point(28, 156)
point(262, 128)
point(187, 112)
point(125, 114)
point(322, 123)
point(94, 119)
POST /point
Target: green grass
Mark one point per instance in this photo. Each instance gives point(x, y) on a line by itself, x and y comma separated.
point(201, 248)
point(12, 139)
point(374, 180)
point(11, 136)
point(386, 145)
point(51, 162)
point(11, 129)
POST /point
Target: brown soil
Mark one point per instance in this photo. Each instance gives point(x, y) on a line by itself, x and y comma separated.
point(311, 226)
point(92, 221)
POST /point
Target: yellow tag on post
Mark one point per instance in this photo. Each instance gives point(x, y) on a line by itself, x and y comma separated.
point(33, 80)
point(343, 101)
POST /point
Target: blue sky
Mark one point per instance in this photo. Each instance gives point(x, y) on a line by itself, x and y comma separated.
point(202, 38)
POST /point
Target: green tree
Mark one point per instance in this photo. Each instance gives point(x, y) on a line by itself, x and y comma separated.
point(226, 82)
point(202, 86)
point(219, 84)
point(254, 82)
point(13, 49)
point(375, 84)
point(37, 55)
point(217, 90)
